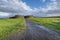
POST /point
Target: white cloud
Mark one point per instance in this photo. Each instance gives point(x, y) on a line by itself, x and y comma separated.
point(53, 15)
point(52, 6)
point(52, 9)
point(53, 0)
point(43, 0)
point(22, 4)
point(4, 14)
point(13, 6)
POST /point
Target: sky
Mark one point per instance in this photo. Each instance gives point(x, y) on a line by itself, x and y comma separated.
point(41, 8)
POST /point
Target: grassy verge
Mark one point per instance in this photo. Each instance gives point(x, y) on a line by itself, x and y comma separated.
point(10, 26)
point(53, 23)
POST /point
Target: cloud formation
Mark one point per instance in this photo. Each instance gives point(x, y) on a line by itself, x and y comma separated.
point(50, 10)
point(18, 7)
point(14, 6)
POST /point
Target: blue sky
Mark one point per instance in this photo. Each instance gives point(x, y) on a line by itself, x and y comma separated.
point(37, 3)
point(41, 8)
point(32, 3)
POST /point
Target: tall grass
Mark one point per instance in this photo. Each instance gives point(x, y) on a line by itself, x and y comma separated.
point(10, 26)
point(53, 23)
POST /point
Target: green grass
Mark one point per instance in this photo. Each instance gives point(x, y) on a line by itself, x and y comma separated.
point(53, 23)
point(10, 26)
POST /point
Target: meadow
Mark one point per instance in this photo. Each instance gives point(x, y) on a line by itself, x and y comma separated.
point(10, 26)
point(52, 23)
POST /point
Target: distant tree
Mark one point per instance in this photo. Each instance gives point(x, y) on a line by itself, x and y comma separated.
point(16, 16)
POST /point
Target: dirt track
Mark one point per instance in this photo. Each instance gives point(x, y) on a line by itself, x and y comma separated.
point(38, 32)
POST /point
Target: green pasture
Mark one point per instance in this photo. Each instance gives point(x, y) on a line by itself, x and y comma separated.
point(53, 23)
point(10, 26)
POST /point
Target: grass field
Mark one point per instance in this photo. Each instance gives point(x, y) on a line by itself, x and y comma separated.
point(53, 23)
point(10, 26)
